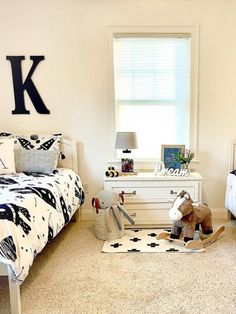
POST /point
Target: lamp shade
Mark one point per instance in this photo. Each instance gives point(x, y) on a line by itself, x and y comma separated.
point(126, 140)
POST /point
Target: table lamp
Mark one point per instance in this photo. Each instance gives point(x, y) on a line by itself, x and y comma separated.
point(126, 141)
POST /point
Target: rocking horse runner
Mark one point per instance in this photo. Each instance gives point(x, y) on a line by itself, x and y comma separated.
point(187, 217)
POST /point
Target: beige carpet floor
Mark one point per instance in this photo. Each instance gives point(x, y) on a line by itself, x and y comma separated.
point(71, 275)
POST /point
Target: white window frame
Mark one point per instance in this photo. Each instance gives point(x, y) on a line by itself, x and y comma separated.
point(193, 31)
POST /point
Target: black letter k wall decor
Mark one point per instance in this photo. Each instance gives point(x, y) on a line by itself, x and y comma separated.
point(21, 86)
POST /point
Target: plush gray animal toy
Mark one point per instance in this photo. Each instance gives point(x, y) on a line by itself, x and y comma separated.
point(113, 202)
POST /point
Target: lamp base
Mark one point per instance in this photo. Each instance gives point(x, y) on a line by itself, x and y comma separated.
point(126, 151)
point(127, 165)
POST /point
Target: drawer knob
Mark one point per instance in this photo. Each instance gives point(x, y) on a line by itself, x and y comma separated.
point(133, 215)
point(173, 192)
point(129, 193)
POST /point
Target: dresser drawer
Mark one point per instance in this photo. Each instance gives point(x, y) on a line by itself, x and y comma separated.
point(153, 194)
point(151, 216)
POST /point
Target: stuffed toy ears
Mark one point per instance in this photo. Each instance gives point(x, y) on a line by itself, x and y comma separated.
point(186, 196)
point(179, 192)
point(95, 203)
point(121, 198)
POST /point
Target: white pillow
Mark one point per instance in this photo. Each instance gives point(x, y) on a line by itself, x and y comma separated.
point(35, 141)
point(38, 141)
point(7, 160)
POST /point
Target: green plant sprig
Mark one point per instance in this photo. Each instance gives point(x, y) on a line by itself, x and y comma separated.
point(184, 156)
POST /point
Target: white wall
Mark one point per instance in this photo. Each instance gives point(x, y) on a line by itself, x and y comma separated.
point(73, 79)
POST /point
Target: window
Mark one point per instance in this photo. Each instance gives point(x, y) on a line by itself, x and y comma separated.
point(153, 86)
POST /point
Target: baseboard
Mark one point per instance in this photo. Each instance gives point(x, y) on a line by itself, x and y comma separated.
point(86, 214)
point(220, 213)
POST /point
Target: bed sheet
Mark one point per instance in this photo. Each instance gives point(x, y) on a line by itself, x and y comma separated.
point(33, 209)
point(230, 194)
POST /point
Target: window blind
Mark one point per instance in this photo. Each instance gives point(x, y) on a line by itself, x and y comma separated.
point(152, 85)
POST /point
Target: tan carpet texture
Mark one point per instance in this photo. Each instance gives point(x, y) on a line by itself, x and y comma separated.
point(72, 275)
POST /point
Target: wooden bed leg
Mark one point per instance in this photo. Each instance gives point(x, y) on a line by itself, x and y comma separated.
point(76, 216)
point(14, 297)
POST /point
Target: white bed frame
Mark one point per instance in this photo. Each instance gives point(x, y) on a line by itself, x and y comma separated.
point(232, 155)
point(71, 161)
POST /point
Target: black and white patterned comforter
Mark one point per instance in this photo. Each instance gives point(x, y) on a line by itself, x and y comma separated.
point(33, 209)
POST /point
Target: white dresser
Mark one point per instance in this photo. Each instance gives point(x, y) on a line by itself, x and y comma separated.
point(148, 197)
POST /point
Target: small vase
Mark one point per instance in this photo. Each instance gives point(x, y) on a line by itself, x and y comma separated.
point(185, 168)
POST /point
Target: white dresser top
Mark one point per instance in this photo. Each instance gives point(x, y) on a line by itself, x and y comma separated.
point(149, 176)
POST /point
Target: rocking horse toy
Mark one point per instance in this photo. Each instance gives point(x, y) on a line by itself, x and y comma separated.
point(187, 216)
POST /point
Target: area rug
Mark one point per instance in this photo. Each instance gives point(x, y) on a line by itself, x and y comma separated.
point(144, 241)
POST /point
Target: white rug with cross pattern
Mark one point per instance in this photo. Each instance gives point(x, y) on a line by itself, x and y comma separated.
point(144, 241)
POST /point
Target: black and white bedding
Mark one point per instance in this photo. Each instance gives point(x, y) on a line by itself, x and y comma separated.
point(34, 208)
point(230, 195)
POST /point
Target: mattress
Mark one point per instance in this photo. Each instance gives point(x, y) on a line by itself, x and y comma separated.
point(34, 208)
point(230, 194)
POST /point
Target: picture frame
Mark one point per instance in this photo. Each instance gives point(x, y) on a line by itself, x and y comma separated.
point(168, 155)
point(127, 165)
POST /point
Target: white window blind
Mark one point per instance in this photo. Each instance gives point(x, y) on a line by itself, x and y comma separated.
point(152, 90)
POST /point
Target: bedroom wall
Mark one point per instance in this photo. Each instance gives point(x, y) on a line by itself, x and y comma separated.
point(74, 83)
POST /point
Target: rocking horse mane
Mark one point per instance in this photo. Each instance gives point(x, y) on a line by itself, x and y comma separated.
point(186, 206)
point(183, 194)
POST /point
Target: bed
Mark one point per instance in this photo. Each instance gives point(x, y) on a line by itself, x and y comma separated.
point(34, 207)
point(230, 194)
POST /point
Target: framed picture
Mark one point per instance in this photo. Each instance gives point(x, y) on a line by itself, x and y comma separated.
point(127, 165)
point(168, 155)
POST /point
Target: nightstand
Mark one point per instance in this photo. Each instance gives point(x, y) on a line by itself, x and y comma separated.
point(148, 197)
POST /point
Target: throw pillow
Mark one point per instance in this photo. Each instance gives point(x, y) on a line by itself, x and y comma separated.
point(43, 161)
point(35, 141)
point(7, 162)
point(6, 135)
point(39, 141)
